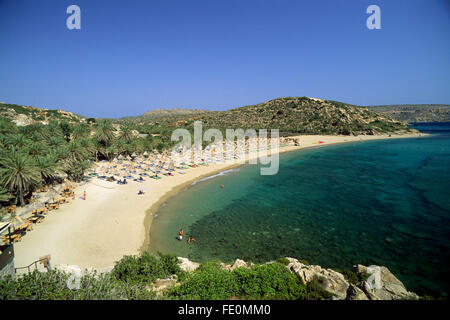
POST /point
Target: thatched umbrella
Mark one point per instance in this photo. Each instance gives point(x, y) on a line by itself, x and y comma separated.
point(37, 205)
point(52, 194)
point(17, 221)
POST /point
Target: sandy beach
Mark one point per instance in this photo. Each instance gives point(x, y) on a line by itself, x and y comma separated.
point(115, 221)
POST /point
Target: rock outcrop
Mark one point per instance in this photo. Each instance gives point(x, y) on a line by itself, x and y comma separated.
point(238, 263)
point(187, 265)
point(330, 280)
point(355, 293)
point(389, 288)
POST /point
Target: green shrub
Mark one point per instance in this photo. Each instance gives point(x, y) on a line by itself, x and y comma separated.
point(283, 261)
point(35, 286)
point(171, 265)
point(208, 282)
point(314, 290)
point(352, 277)
point(145, 268)
point(53, 286)
point(268, 281)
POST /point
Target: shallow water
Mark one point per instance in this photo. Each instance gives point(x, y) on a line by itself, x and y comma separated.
point(378, 202)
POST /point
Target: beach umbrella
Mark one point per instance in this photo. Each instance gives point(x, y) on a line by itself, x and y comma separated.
point(57, 188)
point(44, 199)
point(17, 221)
point(120, 157)
point(36, 205)
point(52, 194)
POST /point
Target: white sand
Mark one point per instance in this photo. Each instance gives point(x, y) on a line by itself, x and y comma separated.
point(109, 224)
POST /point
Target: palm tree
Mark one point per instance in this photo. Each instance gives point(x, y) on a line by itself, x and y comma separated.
point(110, 151)
point(120, 146)
point(4, 195)
point(36, 137)
point(66, 129)
point(52, 130)
point(17, 140)
point(88, 145)
point(126, 132)
point(18, 174)
point(76, 152)
point(35, 149)
point(6, 126)
point(81, 131)
point(48, 168)
point(105, 133)
point(75, 170)
point(55, 142)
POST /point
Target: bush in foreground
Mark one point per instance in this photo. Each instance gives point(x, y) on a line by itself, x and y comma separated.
point(133, 277)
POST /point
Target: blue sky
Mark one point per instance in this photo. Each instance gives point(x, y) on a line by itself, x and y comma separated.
point(133, 56)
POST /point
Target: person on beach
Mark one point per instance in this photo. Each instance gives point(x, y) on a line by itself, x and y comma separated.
point(84, 195)
point(180, 235)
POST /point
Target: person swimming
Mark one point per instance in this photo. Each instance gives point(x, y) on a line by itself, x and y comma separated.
point(180, 235)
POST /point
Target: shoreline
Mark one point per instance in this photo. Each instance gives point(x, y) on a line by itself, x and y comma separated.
point(114, 221)
point(178, 188)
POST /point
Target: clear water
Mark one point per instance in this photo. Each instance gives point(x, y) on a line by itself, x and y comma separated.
point(380, 202)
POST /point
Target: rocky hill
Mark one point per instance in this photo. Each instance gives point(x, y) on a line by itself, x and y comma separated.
point(415, 112)
point(302, 115)
point(26, 115)
point(291, 115)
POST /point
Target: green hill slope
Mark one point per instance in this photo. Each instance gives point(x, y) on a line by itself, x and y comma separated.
point(415, 112)
point(302, 115)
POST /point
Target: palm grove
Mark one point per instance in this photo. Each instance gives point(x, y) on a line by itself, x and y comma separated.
point(36, 155)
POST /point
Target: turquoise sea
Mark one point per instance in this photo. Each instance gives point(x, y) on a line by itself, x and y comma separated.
point(379, 202)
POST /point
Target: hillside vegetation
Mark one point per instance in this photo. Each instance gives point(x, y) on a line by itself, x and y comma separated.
point(291, 115)
point(163, 113)
point(302, 115)
point(415, 112)
point(136, 277)
point(167, 277)
point(26, 115)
